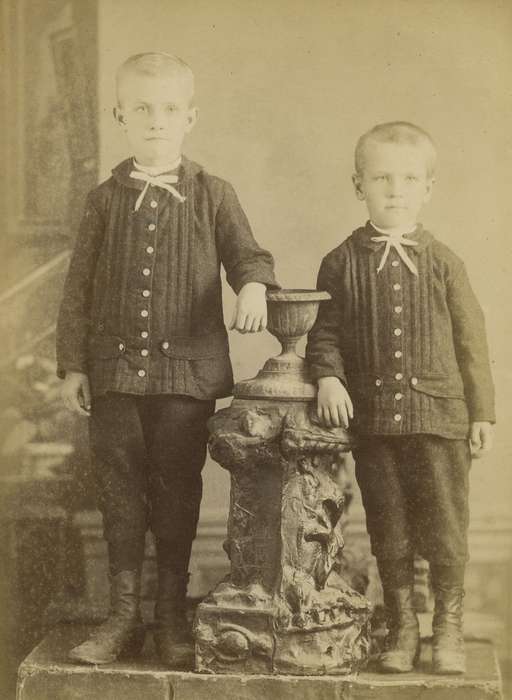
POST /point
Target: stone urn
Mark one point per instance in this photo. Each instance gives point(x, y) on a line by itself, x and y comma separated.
point(291, 315)
point(283, 608)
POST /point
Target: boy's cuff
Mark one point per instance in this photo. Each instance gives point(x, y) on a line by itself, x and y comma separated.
point(62, 370)
point(482, 419)
point(481, 411)
point(268, 280)
point(317, 373)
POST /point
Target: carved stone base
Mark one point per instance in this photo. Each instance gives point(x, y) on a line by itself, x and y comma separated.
point(248, 636)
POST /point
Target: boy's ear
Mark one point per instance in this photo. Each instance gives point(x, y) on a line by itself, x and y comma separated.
point(356, 179)
point(428, 189)
point(119, 116)
point(193, 114)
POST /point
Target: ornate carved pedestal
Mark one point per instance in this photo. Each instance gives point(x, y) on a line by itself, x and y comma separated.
point(282, 609)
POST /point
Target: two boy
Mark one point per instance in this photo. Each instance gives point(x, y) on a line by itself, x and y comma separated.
point(143, 349)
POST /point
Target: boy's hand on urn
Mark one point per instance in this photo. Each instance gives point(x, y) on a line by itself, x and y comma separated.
point(481, 438)
point(76, 393)
point(250, 315)
point(334, 405)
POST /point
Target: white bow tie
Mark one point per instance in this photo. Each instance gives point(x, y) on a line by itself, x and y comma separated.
point(166, 182)
point(396, 241)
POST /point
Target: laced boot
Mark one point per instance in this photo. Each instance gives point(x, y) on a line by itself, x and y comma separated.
point(122, 634)
point(402, 644)
point(173, 637)
point(448, 654)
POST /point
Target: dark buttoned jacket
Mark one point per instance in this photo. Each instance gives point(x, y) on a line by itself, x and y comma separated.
point(412, 350)
point(142, 306)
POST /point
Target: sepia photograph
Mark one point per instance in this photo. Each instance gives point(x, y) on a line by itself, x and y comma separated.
point(256, 300)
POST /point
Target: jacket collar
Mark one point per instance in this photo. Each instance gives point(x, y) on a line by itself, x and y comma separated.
point(363, 238)
point(121, 173)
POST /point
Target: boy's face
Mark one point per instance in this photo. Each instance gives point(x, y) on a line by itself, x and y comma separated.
point(394, 183)
point(155, 114)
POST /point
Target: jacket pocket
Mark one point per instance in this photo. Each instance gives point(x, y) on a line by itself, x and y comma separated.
point(442, 386)
point(196, 347)
point(106, 347)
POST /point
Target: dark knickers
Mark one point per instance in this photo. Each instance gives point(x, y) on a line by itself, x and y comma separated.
point(148, 453)
point(415, 493)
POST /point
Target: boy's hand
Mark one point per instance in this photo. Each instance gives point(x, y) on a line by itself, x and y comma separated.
point(334, 406)
point(481, 438)
point(76, 393)
point(250, 315)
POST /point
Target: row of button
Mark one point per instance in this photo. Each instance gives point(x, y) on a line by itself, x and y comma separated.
point(398, 334)
point(146, 293)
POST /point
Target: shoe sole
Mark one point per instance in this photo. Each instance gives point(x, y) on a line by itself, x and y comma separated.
point(440, 671)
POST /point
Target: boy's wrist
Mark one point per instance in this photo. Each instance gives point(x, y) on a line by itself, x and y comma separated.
point(254, 285)
point(74, 376)
point(328, 379)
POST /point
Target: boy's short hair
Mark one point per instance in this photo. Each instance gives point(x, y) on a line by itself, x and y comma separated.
point(397, 132)
point(155, 64)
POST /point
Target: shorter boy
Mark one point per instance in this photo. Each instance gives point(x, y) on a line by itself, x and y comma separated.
point(141, 330)
point(403, 338)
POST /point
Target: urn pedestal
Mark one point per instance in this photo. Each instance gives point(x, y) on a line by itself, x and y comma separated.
point(283, 608)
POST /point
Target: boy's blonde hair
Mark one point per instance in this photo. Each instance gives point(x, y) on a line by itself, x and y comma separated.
point(397, 132)
point(155, 64)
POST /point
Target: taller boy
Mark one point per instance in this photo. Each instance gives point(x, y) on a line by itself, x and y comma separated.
point(405, 335)
point(142, 345)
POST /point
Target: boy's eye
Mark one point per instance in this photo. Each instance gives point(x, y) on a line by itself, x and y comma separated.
point(171, 108)
point(140, 108)
point(411, 178)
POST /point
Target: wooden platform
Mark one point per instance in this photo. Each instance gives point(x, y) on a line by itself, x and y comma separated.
point(47, 675)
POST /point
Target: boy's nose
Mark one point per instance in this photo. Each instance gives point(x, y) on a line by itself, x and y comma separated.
point(156, 120)
point(395, 187)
